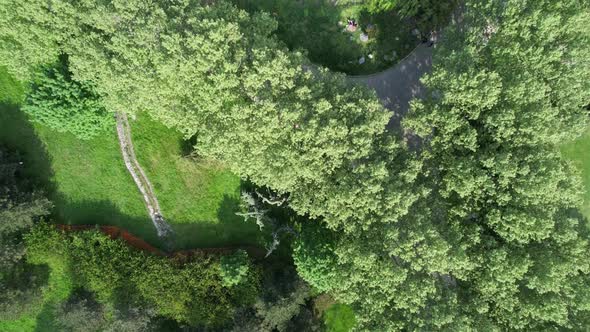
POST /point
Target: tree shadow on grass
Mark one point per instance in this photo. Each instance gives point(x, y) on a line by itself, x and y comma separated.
point(231, 231)
point(17, 133)
point(46, 321)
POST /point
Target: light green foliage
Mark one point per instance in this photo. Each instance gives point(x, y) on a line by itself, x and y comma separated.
point(28, 36)
point(102, 265)
point(57, 101)
point(313, 254)
point(250, 103)
point(493, 241)
point(504, 96)
point(234, 268)
point(192, 294)
point(261, 113)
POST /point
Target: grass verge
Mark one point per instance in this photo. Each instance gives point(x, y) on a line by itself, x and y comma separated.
point(339, 318)
point(89, 184)
point(579, 153)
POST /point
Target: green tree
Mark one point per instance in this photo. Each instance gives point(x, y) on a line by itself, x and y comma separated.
point(234, 268)
point(124, 278)
point(81, 312)
point(493, 241)
point(19, 209)
point(65, 105)
point(506, 91)
point(280, 306)
point(219, 74)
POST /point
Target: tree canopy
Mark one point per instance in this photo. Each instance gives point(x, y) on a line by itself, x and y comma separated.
point(496, 243)
point(475, 229)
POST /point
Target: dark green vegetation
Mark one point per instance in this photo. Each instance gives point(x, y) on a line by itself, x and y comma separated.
point(427, 14)
point(475, 228)
point(318, 27)
point(123, 278)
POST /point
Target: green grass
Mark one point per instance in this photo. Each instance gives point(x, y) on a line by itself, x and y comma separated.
point(318, 27)
point(339, 318)
point(579, 152)
point(200, 198)
point(86, 180)
point(89, 184)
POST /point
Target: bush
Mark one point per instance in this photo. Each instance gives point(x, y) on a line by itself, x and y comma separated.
point(234, 268)
point(190, 293)
point(65, 105)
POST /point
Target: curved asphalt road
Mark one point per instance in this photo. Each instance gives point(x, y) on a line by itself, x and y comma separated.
point(398, 85)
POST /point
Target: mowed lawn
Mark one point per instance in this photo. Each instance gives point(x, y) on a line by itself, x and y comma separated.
point(199, 197)
point(89, 184)
point(579, 152)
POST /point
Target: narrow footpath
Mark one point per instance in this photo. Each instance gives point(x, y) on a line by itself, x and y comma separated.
point(141, 180)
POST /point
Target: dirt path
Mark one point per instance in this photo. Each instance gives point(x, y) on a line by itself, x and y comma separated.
point(141, 180)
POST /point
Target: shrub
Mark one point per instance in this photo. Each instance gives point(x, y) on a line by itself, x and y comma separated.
point(234, 268)
point(66, 105)
point(190, 293)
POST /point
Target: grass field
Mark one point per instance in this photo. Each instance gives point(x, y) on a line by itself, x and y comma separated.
point(200, 198)
point(579, 152)
point(339, 318)
point(88, 182)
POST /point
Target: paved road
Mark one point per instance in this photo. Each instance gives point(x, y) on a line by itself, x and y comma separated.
point(398, 85)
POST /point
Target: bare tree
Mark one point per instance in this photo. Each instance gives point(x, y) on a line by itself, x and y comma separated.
point(256, 210)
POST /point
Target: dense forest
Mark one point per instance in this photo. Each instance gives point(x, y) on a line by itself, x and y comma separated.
point(467, 216)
